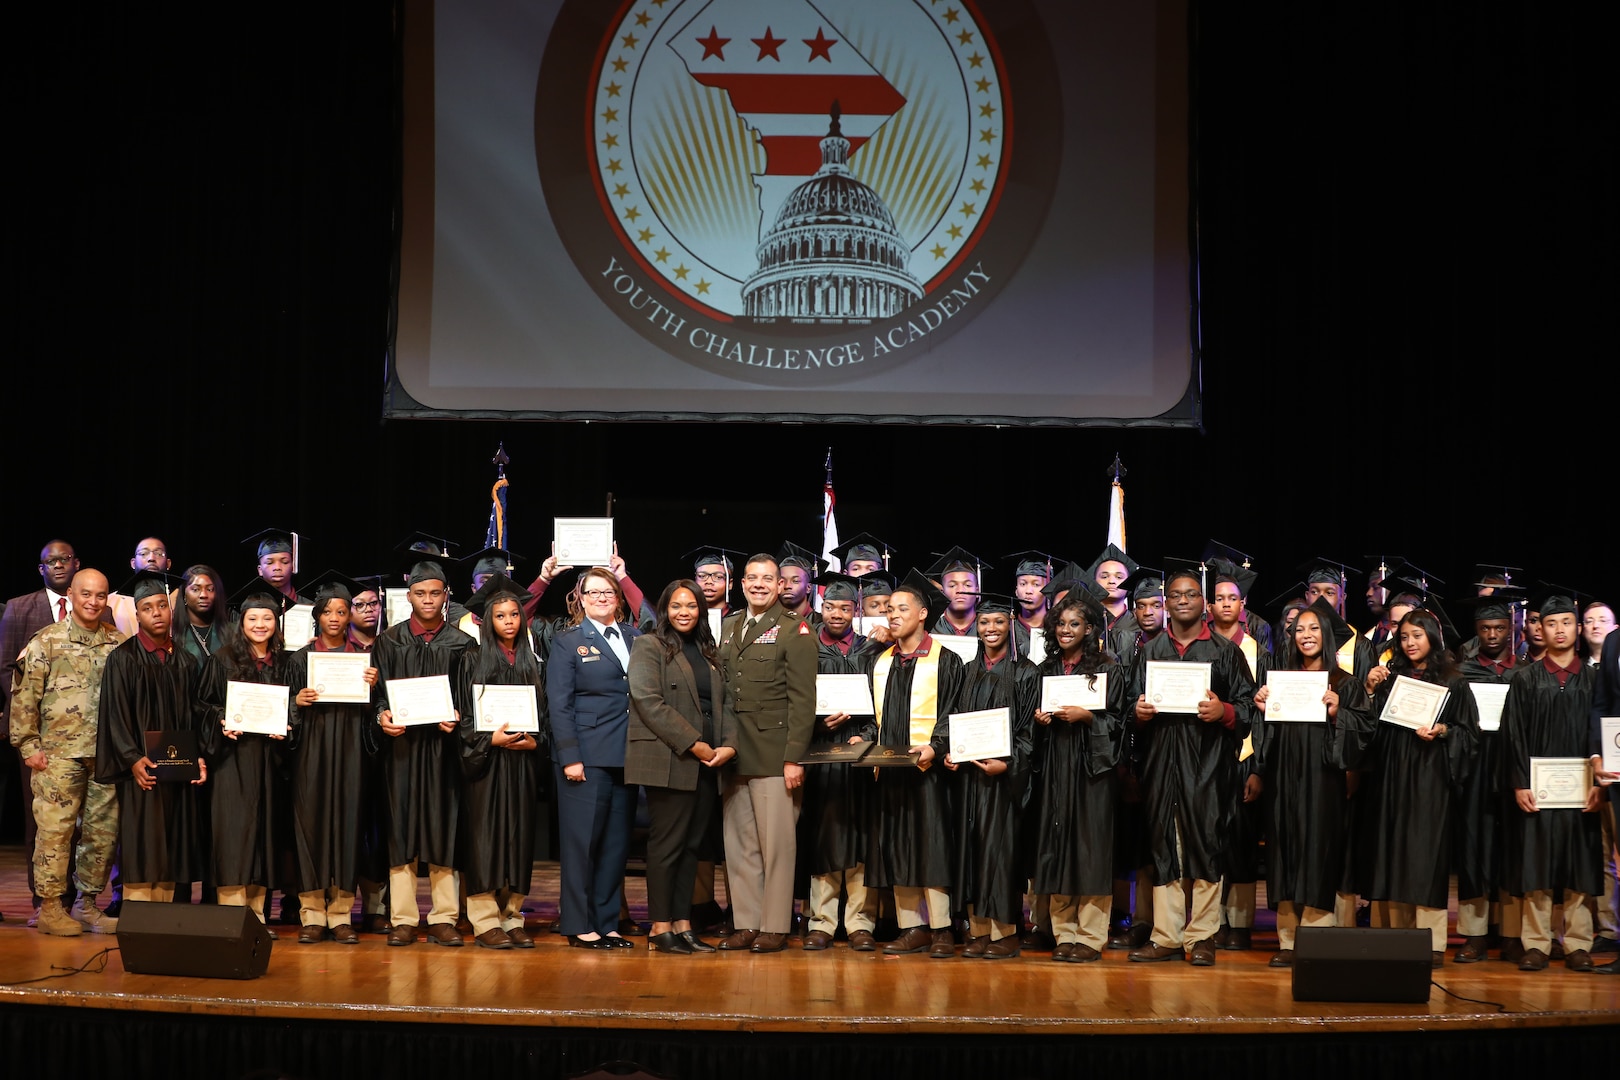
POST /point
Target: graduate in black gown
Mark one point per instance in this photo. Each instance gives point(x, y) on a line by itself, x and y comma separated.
point(916, 684)
point(149, 685)
point(832, 836)
point(1551, 851)
point(1190, 770)
point(421, 763)
point(1077, 790)
point(243, 765)
point(1479, 815)
point(991, 795)
point(1304, 768)
point(1411, 785)
point(501, 768)
point(330, 742)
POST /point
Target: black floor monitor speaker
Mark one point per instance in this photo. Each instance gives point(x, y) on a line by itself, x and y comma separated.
point(1360, 964)
point(201, 940)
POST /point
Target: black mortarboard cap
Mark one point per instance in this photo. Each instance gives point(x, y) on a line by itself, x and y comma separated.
point(1338, 630)
point(1033, 563)
point(1063, 581)
point(840, 587)
point(956, 560)
point(995, 604)
point(863, 546)
point(1198, 571)
point(495, 586)
point(1498, 605)
point(332, 584)
point(936, 599)
point(275, 541)
point(491, 560)
point(1550, 598)
point(421, 569)
point(1222, 567)
point(144, 583)
point(1295, 591)
point(258, 593)
point(1112, 553)
point(1495, 575)
point(714, 555)
point(1144, 581)
point(791, 554)
point(1322, 569)
point(877, 583)
point(426, 544)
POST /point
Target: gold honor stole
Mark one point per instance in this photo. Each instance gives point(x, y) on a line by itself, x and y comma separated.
point(1346, 656)
point(924, 692)
point(1251, 653)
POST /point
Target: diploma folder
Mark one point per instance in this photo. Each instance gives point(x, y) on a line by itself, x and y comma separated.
point(890, 757)
point(836, 753)
point(173, 755)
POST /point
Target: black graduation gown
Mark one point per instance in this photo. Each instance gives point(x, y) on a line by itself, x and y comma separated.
point(1410, 789)
point(1549, 849)
point(908, 834)
point(501, 789)
point(161, 833)
point(1477, 846)
point(241, 780)
point(1077, 793)
point(327, 743)
point(987, 871)
point(421, 768)
point(1307, 811)
point(831, 834)
point(1248, 818)
point(1190, 765)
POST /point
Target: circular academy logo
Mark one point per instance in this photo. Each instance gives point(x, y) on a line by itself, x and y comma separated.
point(790, 191)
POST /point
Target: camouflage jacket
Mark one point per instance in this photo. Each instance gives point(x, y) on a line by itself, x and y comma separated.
point(58, 688)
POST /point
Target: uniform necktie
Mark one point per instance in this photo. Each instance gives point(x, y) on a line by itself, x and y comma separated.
point(611, 632)
point(61, 608)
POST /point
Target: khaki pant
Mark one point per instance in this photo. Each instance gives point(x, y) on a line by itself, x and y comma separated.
point(1040, 911)
point(1172, 927)
point(1290, 919)
point(325, 907)
point(1344, 909)
point(150, 892)
point(1238, 907)
point(371, 898)
point(1081, 919)
point(1474, 916)
point(248, 896)
point(1537, 932)
point(64, 795)
point(501, 909)
point(444, 890)
point(760, 816)
point(824, 890)
point(1406, 916)
point(995, 931)
point(909, 901)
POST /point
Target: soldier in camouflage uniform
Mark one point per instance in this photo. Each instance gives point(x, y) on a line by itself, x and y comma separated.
point(53, 726)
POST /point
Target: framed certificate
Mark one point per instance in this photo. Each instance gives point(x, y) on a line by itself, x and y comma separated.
point(1173, 686)
point(397, 602)
point(583, 541)
point(1611, 743)
point(420, 701)
point(1560, 783)
point(960, 644)
point(1413, 703)
point(515, 706)
point(339, 676)
point(981, 736)
point(843, 694)
point(256, 708)
point(298, 626)
point(1295, 697)
point(1060, 690)
point(1490, 697)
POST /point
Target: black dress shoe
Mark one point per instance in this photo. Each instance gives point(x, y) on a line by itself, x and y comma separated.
point(669, 941)
point(588, 943)
point(695, 943)
point(616, 942)
point(631, 928)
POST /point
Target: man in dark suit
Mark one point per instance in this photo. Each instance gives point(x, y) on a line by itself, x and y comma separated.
point(1606, 702)
point(769, 660)
point(24, 617)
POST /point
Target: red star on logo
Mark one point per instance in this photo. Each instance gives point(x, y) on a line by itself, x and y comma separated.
point(767, 45)
point(714, 44)
point(820, 46)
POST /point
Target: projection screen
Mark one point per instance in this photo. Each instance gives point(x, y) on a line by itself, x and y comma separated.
point(903, 211)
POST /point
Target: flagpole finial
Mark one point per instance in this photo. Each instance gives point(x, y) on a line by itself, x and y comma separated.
point(1117, 470)
point(500, 460)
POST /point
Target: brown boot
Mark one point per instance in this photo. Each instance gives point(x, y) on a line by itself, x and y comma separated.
point(54, 919)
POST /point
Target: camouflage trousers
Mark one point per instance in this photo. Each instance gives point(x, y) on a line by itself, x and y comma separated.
point(64, 794)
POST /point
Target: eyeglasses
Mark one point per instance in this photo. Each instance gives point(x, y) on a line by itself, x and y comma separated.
point(367, 603)
point(152, 553)
point(1185, 594)
point(61, 560)
point(598, 594)
point(710, 575)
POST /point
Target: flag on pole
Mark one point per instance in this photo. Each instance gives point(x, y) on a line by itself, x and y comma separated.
point(829, 521)
point(1116, 506)
point(496, 535)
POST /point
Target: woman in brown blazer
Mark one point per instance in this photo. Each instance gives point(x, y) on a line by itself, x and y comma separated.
point(681, 733)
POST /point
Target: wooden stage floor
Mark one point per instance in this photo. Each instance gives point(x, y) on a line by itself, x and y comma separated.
point(838, 991)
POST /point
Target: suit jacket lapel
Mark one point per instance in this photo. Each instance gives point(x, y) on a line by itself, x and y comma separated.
point(766, 621)
point(690, 677)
